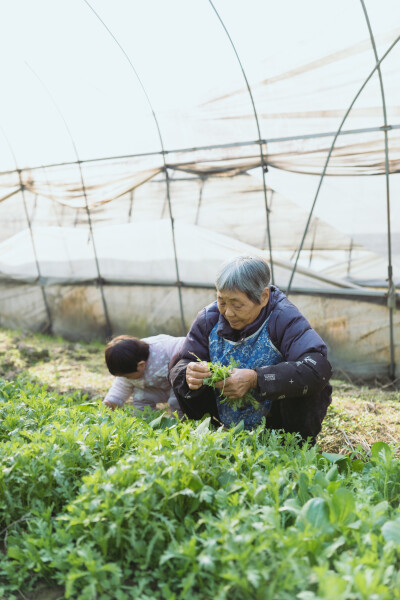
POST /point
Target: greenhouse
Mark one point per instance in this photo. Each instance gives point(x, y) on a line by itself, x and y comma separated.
point(142, 144)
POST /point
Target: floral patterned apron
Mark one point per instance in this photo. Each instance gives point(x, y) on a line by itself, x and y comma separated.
point(256, 350)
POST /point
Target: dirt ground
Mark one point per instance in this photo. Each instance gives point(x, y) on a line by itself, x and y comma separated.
point(358, 417)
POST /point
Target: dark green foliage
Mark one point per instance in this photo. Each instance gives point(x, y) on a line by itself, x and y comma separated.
point(111, 506)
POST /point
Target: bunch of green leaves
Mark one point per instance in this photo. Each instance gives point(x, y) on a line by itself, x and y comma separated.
point(221, 372)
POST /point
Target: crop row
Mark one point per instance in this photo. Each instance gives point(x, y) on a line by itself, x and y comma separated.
point(112, 506)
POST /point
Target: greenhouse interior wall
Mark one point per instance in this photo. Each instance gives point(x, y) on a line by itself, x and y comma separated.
point(117, 211)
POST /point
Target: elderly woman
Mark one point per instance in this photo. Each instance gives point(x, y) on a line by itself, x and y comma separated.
point(282, 360)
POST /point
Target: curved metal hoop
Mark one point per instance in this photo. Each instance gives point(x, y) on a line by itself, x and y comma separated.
point(163, 152)
point(78, 162)
point(260, 141)
point(329, 156)
point(389, 234)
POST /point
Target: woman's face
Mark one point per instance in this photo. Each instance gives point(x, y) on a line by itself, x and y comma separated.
point(238, 309)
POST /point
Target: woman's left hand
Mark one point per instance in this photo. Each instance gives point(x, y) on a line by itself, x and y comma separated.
point(238, 384)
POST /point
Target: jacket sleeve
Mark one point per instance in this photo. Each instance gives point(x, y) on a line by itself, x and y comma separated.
point(177, 379)
point(294, 379)
point(120, 391)
point(194, 403)
point(305, 369)
point(195, 346)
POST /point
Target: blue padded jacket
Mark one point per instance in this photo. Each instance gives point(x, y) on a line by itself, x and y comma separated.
point(298, 386)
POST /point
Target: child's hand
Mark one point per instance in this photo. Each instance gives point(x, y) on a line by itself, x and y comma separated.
point(110, 405)
point(195, 373)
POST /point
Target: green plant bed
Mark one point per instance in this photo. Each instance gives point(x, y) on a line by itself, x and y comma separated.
point(106, 505)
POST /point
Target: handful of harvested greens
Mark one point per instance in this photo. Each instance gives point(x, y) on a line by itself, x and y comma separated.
point(220, 372)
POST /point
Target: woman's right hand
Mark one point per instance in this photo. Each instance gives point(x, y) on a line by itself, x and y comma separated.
point(195, 373)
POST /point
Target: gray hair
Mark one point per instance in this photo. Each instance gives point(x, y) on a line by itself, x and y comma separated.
point(248, 274)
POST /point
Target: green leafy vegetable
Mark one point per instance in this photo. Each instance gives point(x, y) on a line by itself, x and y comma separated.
point(116, 506)
point(221, 372)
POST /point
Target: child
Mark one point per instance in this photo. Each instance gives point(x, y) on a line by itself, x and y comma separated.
point(140, 367)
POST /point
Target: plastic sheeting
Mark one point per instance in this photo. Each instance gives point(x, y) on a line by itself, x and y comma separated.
point(167, 100)
point(139, 282)
point(305, 61)
point(134, 253)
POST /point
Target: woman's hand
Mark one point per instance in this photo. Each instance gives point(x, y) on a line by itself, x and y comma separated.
point(195, 373)
point(238, 384)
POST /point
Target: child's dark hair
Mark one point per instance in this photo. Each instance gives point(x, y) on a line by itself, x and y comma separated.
point(123, 353)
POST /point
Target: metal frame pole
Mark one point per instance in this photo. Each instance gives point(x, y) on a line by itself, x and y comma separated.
point(329, 156)
point(130, 205)
point(391, 290)
point(165, 168)
point(49, 323)
point(264, 141)
point(78, 162)
point(202, 182)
